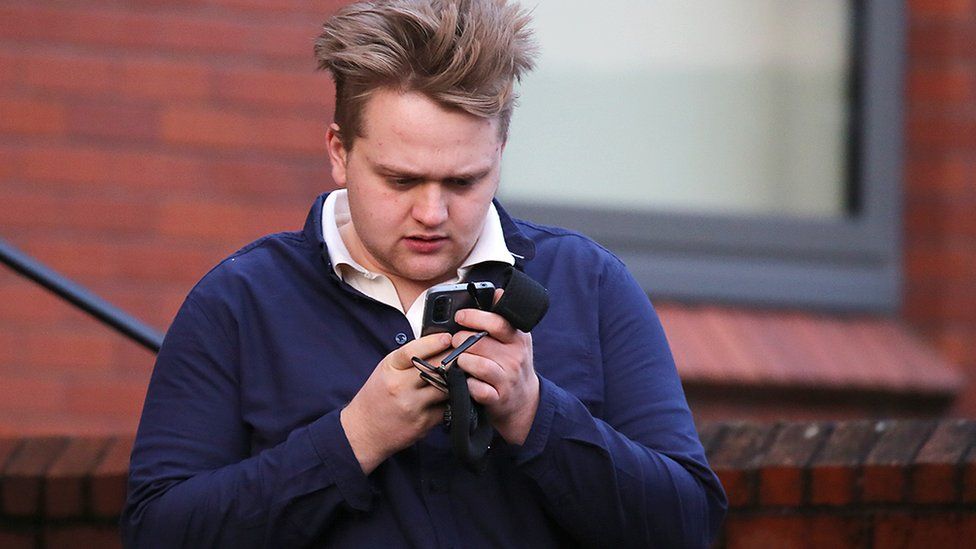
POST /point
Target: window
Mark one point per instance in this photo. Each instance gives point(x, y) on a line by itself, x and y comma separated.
point(747, 152)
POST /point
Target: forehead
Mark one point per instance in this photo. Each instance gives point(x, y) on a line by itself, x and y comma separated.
point(410, 128)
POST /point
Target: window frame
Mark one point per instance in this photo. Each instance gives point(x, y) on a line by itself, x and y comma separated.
point(850, 263)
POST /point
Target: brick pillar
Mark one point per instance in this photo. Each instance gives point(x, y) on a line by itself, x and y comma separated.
point(940, 196)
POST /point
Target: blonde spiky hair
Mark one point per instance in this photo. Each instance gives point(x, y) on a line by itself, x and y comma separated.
point(463, 54)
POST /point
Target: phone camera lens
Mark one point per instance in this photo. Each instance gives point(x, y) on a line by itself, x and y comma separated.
point(442, 309)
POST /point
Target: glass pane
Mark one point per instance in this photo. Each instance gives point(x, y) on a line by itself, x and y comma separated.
point(723, 106)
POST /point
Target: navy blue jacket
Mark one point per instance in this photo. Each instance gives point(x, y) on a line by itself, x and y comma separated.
point(240, 443)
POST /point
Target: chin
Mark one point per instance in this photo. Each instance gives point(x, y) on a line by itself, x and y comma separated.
point(429, 273)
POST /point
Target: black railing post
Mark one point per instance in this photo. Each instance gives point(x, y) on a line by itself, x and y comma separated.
point(80, 297)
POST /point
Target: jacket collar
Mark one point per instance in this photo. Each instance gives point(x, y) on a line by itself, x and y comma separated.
point(520, 245)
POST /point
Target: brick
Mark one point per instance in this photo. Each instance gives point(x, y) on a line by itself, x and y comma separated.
point(8, 447)
point(145, 302)
point(321, 9)
point(796, 531)
point(9, 166)
point(936, 476)
point(931, 264)
point(709, 433)
point(164, 80)
point(10, 350)
point(75, 258)
point(955, 342)
point(71, 73)
point(70, 536)
point(22, 480)
point(236, 130)
point(29, 209)
point(105, 396)
point(944, 175)
point(782, 469)
point(948, 9)
point(181, 263)
point(38, 394)
point(307, 89)
point(118, 121)
point(886, 467)
point(26, 304)
point(940, 39)
point(945, 301)
point(234, 222)
point(937, 218)
point(17, 538)
point(67, 478)
point(156, 32)
point(736, 457)
point(945, 530)
point(834, 471)
point(765, 531)
point(63, 350)
point(11, 71)
point(969, 477)
point(950, 132)
point(942, 84)
point(58, 423)
point(109, 168)
point(248, 178)
point(32, 116)
point(109, 479)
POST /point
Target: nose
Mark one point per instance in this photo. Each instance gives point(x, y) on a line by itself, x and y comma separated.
point(430, 205)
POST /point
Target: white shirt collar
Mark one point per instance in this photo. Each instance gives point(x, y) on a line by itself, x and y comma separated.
point(490, 246)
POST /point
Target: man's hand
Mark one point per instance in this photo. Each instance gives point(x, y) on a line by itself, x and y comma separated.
point(394, 408)
point(502, 378)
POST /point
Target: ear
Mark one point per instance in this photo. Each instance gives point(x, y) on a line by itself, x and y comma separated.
point(338, 155)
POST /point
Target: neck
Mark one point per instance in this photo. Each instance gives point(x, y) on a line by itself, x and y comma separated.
point(407, 290)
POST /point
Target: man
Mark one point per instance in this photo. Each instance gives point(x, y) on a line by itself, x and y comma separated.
point(284, 410)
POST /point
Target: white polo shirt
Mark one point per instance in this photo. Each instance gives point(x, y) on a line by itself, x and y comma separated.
point(490, 246)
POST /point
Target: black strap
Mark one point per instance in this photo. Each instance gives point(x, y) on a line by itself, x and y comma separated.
point(471, 432)
point(523, 304)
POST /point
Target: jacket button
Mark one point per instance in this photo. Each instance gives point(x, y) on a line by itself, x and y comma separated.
point(401, 338)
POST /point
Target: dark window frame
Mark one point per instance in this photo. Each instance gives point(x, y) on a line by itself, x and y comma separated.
point(850, 263)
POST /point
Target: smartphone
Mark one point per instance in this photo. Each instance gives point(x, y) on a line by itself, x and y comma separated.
point(446, 299)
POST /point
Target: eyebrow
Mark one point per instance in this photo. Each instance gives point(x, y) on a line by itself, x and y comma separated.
point(392, 170)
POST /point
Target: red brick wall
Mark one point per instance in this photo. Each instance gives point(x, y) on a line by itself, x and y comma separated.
point(940, 192)
point(140, 142)
point(814, 484)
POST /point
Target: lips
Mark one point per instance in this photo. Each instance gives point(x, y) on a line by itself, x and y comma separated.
point(425, 244)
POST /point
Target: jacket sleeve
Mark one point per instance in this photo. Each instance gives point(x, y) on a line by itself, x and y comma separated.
point(193, 480)
point(636, 476)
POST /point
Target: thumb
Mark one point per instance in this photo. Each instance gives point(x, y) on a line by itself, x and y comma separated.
point(424, 347)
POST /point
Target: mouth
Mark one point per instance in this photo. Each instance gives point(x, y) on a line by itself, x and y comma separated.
point(426, 244)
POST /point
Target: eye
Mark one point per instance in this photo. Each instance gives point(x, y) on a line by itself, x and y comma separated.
point(403, 181)
point(459, 182)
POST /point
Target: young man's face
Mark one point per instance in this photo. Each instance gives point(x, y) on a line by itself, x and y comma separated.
point(419, 182)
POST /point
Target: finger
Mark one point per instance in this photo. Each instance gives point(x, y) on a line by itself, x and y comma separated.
point(481, 392)
point(423, 394)
point(487, 347)
point(424, 347)
point(497, 296)
point(434, 415)
point(493, 323)
point(484, 369)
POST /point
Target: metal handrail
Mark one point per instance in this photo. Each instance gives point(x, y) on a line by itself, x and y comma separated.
point(80, 297)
